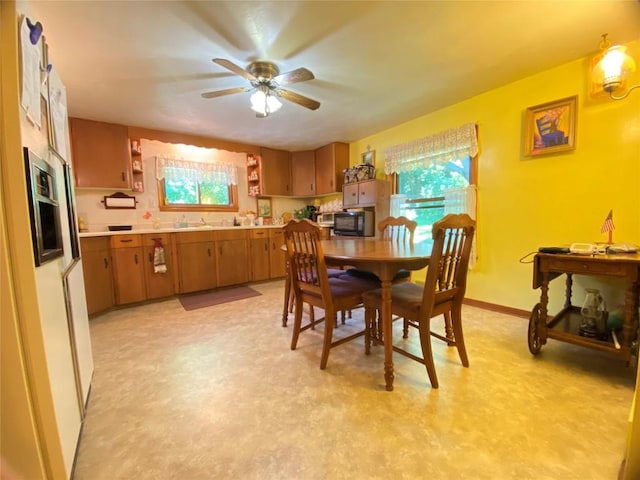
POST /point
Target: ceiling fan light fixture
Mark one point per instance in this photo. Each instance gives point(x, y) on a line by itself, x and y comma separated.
point(263, 102)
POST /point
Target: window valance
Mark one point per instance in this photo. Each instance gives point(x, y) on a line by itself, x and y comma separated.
point(452, 144)
point(197, 172)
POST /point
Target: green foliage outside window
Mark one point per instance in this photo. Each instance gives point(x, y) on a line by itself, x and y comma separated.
point(426, 187)
point(182, 191)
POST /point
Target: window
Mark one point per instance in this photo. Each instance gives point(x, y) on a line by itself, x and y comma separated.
point(424, 191)
point(196, 186)
point(432, 176)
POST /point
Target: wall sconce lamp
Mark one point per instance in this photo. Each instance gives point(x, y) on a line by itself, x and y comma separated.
point(264, 102)
point(612, 68)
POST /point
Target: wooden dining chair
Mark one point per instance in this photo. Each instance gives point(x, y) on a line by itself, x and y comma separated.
point(401, 231)
point(442, 293)
point(312, 285)
point(289, 298)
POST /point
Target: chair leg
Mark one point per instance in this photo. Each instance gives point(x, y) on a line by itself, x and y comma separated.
point(288, 297)
point(330, 320)
point(405, 328)
point(448, 329)
point(297, 323)
point(367, 330)
point(427, 354)
point(456, 317)
point(312, 317)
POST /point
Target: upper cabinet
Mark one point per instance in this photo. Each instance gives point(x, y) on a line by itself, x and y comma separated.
point(101, 154)
point(331, 160)
point(137, 167)
point(254, 175)
point(276, 172)
point(303, 173)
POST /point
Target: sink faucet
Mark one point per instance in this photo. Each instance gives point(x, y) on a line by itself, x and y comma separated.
point(202, 222)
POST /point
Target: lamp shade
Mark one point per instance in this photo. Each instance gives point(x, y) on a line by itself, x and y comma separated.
point(264, 103)
point(613, 67)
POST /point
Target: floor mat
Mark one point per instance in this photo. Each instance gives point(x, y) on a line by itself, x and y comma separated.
point(216, 297)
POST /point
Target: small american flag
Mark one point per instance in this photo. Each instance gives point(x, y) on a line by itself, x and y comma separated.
point(607, 226)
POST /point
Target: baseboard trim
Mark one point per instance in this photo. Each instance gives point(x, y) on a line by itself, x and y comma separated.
point(516, 312)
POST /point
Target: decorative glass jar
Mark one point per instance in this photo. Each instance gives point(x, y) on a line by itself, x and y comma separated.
point(593, 313)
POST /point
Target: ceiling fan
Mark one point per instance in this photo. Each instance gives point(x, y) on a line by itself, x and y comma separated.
point(265, 78)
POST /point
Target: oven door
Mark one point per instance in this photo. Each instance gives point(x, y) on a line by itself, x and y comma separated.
point(347, 224)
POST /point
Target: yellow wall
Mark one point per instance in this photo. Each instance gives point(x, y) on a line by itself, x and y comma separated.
point(556, 199)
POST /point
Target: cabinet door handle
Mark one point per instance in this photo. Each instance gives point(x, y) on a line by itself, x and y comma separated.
point(123, 177)
point(220, 250)
point(266, 247)
point(209, 251)
point(150, 258)
point(126, 241)
point(106, 263)
point(135, 258)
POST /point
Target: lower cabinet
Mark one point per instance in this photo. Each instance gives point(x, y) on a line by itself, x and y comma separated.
point(259, 254)
point(120, 269)
point(277, 260)
point(98, 275)
point(196, 258)
point(158, 284)
point(128, 269)
point(232, 257)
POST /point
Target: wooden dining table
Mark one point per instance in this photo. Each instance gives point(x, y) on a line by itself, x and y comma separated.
point(385, 259)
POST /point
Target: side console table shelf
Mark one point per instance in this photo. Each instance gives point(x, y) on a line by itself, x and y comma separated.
point(565, 325)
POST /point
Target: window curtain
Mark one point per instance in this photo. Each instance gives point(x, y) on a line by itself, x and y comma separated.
point(463, 200)
point(197, 172)
point(442, 147)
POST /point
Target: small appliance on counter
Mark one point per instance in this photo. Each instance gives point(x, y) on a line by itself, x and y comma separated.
point(354, 223)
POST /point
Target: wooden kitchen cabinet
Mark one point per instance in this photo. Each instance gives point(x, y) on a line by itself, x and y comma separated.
point(276, 172)
point(196, 261)
point(368, 194)
point(101, 154)
point(331, 160)
point(277, 260)
point(303, 173)
point(232, 257)
point(259, 254)
point(158, 284)
point(128, 269)
point(98, 275)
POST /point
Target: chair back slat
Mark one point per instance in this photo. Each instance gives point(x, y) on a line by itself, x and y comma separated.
point(447, 271)
point(306, 259)
point(397, 229)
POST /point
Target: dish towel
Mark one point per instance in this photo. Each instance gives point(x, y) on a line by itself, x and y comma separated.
point(159, 265)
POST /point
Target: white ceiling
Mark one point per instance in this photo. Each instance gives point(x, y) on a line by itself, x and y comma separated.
point(377, 64)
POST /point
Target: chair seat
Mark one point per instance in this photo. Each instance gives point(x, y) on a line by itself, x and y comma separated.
point(401, 275)
point(334, 272)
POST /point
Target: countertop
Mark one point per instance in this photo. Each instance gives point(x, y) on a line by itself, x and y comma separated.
point(142, 230)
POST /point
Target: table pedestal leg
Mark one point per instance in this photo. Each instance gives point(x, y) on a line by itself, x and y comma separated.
point(385, 315)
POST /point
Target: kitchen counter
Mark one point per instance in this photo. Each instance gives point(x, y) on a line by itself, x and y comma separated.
point(142, 230)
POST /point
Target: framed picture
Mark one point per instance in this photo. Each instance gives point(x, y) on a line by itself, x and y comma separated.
point(369, 157)
point(551, 127)
point(264, 207)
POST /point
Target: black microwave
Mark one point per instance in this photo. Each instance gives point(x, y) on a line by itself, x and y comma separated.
point(46, 233)
point(354, 224)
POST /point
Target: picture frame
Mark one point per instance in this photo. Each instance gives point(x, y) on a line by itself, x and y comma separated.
point(551, 127)
point(264, 207)
point(369, 157)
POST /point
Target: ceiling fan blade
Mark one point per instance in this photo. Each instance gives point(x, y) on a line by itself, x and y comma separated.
point(299, 99)
point(228, 91)
point(294, 76)
point(234, 68)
